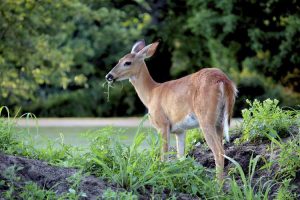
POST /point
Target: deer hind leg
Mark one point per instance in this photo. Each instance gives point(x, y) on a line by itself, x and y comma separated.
point(209, 123)
point(180, 144)
point(214, 142)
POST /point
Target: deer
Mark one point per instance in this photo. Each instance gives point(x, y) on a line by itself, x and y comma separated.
point(203, 99)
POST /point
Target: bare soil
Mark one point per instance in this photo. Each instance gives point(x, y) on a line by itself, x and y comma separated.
point(57, 179)
point(49, 177)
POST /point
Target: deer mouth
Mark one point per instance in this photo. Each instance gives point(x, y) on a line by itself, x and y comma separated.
point(110, 78)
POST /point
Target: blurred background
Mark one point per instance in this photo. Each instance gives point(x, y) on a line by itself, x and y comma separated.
point(54, 54)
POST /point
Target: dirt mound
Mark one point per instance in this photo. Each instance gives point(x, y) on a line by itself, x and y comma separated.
point(57, 179)
point(49, 177)
point(242, 154)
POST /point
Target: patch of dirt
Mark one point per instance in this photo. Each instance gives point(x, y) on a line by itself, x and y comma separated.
point(50, 177)
point(56, 179)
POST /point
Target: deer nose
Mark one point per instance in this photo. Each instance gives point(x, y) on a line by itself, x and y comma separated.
point(109, 78)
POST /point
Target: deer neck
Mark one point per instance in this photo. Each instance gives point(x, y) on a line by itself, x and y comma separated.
point(143, 84)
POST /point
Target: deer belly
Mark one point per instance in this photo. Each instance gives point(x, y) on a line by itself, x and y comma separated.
point(189, 122)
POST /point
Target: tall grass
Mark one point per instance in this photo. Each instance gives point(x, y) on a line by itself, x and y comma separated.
point(137, 169)
point(247, 189)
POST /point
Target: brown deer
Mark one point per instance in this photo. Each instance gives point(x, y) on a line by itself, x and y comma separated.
point(204, 98)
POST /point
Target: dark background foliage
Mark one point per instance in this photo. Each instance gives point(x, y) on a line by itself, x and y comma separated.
point(54, 54)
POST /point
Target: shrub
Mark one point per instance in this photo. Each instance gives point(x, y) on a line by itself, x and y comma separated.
point(266, 120)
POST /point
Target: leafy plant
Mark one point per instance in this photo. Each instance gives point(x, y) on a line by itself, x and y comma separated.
point(10, 180)
point(265, 120)
point(284, 192)
point(31, 191)
point(121, 195)
point(289, 158)
point(193, 137)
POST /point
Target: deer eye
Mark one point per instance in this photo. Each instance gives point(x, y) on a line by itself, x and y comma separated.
point(127, 63)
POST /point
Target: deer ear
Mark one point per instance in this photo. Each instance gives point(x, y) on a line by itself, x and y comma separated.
point(148, 51)
point(139, 45)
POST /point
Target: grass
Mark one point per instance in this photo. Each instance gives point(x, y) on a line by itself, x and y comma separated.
point(139, 171)
point(249, 190)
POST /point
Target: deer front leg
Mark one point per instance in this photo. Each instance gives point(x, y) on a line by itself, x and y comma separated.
point(162, 125)
point(180, 144)
point(165, 131)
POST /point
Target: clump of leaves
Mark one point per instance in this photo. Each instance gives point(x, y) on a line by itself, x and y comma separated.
point(32, 191)
point(122, 195)
point(284, 192)
point(289, 158)
point(193, 138)
point(266, 120)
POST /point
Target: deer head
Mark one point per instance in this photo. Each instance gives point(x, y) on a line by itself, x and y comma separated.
point(130, 64)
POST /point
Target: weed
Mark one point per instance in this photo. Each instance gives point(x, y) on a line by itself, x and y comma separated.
point(73, 192)
point(265, 120)
point(247, 189)
point(31, 191)
point(124, 195)
point(289, 158)
point(193, 137)
point(10, 180)
point(6, 131)
point(284, 192)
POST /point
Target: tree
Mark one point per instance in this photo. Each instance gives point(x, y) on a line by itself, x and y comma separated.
point(54, 54)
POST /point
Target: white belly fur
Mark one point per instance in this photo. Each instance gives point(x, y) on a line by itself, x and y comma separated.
point(189, 122)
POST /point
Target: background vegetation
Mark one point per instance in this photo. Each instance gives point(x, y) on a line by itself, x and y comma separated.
point(54, 54)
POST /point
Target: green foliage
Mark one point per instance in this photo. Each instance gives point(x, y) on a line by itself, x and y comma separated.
point(134, 168)
point(110, 194)
point(284, 192)
point(54, 54)
point(289, 158)
point(248, 190)
point(6, 131)
point(226, 34)
point(31, 191)
point(193, 137)
point(10, 179)
point(265, 120)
